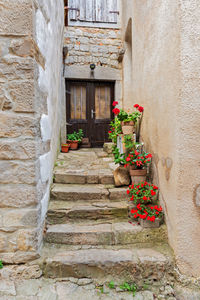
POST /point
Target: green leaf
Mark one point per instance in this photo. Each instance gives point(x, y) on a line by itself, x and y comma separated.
point(1, 264)
point(111, 285)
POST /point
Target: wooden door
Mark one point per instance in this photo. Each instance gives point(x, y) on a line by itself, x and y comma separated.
point(89, 107)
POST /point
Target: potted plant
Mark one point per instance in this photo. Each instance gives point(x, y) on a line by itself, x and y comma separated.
point(74, 139)
point(143, 193)
point(149, 216)
point(128, 121)
point(137, 163)
point(65, 148)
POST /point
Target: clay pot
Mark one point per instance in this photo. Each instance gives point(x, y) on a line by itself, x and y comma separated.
point(73, 145)
point(65, 148)
point(137, 175)
point(148, 224)
point(128, 127)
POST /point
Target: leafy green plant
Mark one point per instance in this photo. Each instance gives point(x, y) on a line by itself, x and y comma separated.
point(1, 264)
point(129, 287)
point(128, 141)
point(115, 130)
point(118, 157)
point(75, 136)
point(111, 285)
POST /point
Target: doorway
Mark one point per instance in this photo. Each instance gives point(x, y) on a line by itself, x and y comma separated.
point(89, 107)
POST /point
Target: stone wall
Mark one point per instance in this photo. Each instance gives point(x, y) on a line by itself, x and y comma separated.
point(165, 80)
point(93, 45)
point(30, 105)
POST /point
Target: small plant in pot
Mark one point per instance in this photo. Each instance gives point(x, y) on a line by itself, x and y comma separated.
point(137, 163)
point(65, 148)
point(128, 120)
point(74, 139)
point(143, 193)
point(149, 216)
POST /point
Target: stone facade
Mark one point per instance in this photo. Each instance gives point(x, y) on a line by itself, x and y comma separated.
point(30, 105)
point(93, 45)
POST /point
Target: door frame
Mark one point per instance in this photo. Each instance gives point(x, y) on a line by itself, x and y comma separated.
point(91, 96)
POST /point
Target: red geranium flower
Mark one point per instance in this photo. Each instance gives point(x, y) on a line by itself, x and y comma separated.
point(114, 103)
point(144, 198)
point(109, 131)
point(141, 109)
point(116, 111)
point(136, 105)
point(153, 193)
point(128, 192)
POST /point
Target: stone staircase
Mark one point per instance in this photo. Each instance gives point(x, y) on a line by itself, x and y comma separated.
point(88, 233)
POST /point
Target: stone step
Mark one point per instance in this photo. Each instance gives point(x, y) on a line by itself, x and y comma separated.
point(60, 212)
point(121, 233)
point(138, 265)
point(99, 176)
point(75, 192)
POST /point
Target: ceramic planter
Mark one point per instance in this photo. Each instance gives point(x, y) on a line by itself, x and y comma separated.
point(65, 148)
point(137, 175)
point(148, 224)
point(73, 145)
point(128, 127)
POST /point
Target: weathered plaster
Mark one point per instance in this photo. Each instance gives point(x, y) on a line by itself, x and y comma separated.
point(165, 80)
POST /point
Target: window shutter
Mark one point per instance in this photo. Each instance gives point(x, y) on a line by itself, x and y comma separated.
point(89, 12)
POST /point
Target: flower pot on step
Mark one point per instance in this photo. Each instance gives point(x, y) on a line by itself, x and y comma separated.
point(128, 127)
point(149, 224)
point(73, 145)
point(65, 148)
point(137, 175)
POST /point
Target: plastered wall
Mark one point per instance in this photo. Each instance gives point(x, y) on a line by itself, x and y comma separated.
point(165, 80)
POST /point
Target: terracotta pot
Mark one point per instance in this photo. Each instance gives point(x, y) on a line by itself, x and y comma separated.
point(138, 175)
point(73, 145)
point(65, 148)
point(128, 127)
point(148, 224)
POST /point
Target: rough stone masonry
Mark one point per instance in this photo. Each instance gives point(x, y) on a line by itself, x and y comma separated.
point(30, 96)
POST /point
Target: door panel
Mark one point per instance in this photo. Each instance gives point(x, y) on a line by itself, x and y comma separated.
point(89, 107)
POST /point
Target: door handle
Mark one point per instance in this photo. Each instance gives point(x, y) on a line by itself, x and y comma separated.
point(92, 113)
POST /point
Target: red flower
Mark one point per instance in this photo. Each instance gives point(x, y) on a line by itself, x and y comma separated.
point(132, 198)
point(136, 105)
point(155, 187)
point(109, 131)
point(136, 153)
point(153, 193)
point(128, 159)
point(114, 103)
point(128, 192)
point(144, 198)
point(116, 111)
point(152, 219)
point(141, 109)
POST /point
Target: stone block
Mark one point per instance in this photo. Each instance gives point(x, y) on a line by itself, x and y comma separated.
point(18, 172)
point(16, 68)
point(15, 272)
point(7, 288)
point(100, 234)
point(28, 287)
point(22, 150)
point(13, 125)
point(16, 18)
point(22, 95)
point(20, 218)
point(18, 196)
point(27, 241)
point(121, 176)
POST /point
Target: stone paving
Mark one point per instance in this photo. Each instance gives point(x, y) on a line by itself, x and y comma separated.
point(86, 289)
point(72, 289)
